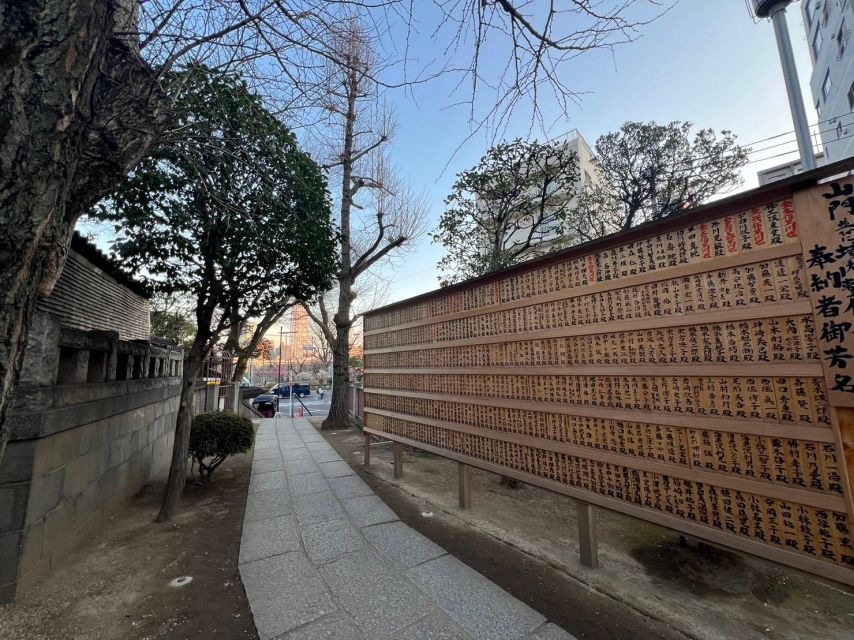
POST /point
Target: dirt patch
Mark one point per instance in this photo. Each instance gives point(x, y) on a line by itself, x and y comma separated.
point(705, 570)
point(651, 584)
point(117, 585)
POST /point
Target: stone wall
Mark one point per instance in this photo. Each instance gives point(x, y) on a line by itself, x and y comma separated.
point(81, 446)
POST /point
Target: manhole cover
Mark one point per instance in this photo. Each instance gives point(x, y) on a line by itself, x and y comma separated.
point(183, 581)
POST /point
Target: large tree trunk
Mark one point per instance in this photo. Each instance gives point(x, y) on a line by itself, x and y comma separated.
point(178, 466)
point(78, 110)
point(339, 417)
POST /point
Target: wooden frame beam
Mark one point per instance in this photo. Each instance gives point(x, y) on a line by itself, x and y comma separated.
point(464, 482)
point(398, 460)
point(731, 541)
point(588, 546)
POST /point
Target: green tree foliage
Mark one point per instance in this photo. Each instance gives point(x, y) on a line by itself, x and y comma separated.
point(228, 212)
point(503, 209)
point(228, 206)
point(216, 435)
point(172, 318)
point(172, 325)
point(649, 171)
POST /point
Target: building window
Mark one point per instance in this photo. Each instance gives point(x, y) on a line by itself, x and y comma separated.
point(842, 39)
point(825, 86)
point(851, 97)
point(825, 12)
point(809, 12)
point(818, 108)
point(838, 131)
point(817, 41)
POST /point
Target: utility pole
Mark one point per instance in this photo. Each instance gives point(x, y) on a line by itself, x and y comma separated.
point(279, 377)
point(776, 10)
point(291, 383)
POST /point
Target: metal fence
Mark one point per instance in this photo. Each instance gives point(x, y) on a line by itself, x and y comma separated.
point(214, 390)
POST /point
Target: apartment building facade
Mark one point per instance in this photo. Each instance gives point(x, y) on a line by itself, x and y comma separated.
point(588, 173)
point(828, 25)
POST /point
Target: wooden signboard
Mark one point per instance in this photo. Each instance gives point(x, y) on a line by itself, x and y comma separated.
point(699, 374)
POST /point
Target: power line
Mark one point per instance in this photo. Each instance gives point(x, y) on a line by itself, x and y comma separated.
point(792, 131)
point(780, 144)
point(752, 151)
point(786, 153)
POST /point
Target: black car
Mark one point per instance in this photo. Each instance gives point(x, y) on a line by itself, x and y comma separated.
point(283, 390)
point(266, 405)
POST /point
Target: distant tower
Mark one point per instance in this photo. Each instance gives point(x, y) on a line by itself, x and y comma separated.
point(776, 10)
point(301, 331)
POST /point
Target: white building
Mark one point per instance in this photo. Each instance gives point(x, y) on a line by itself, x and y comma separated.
point(828, 24)
point(586, 158)
point(587, 172)
point(786, 170)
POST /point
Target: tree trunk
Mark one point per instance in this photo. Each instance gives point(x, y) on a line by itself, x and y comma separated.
point(180, 448)
point(240, 367)
point(79, 110)
point(339, 417)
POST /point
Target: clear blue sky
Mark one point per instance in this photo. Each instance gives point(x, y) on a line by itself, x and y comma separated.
point(704, 61)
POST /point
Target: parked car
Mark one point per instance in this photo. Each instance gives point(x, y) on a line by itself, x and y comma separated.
point(283, 390)
point(266, 405)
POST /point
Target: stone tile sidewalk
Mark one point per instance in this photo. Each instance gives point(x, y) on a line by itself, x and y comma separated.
point(322, 557)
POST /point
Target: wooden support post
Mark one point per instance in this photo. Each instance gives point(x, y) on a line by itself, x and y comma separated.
point(587, 544)
point(367, 449)
point(398, 460)
point(464, 479)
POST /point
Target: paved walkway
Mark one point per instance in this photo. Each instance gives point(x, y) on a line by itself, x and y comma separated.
point(322, 557)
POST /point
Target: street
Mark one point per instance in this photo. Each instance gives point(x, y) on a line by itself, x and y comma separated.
point(313, 403)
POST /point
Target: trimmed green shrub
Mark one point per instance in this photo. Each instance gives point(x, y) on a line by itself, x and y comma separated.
point(217, 435)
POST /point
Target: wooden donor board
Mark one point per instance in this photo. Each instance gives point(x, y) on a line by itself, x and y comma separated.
point(699, 375)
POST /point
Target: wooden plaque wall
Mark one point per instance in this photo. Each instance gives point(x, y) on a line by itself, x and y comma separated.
point(700, 376)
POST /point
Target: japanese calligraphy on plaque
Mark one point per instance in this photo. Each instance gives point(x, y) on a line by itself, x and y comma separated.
point(826, 213)
point(700, 375)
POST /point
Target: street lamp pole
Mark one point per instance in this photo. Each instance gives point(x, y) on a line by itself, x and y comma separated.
point(793, 86)
point(776, 11)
